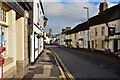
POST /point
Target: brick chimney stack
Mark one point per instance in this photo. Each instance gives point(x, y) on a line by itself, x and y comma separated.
point(103, 6)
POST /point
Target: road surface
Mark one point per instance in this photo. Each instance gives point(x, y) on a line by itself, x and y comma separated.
point(83, 65)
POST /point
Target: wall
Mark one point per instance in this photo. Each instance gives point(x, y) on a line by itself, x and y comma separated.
point(9, 68)
point(115, 24)
point(73, 42)
point(83, 39)
point(22, 44)
point(99, 37)
point(62, 39)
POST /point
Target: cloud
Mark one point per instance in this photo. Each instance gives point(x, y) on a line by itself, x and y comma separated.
point(79, 0)
point(62, 14)
point(69, 10)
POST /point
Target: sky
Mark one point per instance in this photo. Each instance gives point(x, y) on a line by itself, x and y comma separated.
point(69, 13)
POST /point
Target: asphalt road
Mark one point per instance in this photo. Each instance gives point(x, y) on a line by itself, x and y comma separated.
point(81, 65)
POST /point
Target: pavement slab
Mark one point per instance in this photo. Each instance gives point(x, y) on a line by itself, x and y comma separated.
point(45, 67)
point(48, 66)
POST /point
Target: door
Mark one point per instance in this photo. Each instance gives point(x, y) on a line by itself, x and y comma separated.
point(92, 44)
point(29, 49)
point(115, 45)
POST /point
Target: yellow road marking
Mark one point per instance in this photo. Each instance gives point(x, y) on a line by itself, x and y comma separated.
point(66, 70)
point(62, 73)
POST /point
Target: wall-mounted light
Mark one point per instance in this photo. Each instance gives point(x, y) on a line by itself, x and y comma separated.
point(45, 21)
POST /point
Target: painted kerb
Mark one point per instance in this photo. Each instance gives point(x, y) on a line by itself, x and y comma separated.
point(66, 72)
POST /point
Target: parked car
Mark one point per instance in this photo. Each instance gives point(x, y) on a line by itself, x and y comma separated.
point(117, 53)
point(108, 51)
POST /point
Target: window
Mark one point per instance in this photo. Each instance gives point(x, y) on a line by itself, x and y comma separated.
point(102, 44)
point(85, 42)
point(3, 40)
point(3, 36)
point(103, 30)
point(2, 15)
point(38, 13)
point(96, 43)
point(75, 36)
point(96, 32)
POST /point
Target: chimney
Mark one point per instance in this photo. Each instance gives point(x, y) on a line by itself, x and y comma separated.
point(63, 30)
point(103, 6)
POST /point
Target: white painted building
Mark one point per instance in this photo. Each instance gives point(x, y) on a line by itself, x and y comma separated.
point(47, 38)
point(37, 30)
point(62, 37)
point(58, 39)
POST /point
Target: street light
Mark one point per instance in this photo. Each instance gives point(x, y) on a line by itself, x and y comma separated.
point(45, 21)
point(87, 8)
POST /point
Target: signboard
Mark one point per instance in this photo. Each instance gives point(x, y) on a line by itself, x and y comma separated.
point(111, 31)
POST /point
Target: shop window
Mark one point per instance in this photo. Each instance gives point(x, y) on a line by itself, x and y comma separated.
point(3, 36)
point(3, 39)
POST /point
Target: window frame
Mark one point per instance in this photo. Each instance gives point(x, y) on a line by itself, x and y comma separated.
point(103, 31)
point(103, 45)
point(96, 33)
point(96, 43)
point(3, 39)
point(3, 15)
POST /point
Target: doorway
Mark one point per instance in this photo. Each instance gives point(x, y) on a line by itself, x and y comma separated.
point(115, 45)
point(29, 49)
point(92, 45)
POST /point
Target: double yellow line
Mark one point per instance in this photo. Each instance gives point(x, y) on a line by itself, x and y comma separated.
point(70, 77)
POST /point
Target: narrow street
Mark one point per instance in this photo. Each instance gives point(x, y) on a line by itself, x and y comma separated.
point(85, 65)
point(60, 39)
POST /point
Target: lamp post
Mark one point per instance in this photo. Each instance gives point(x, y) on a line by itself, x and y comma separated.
point(87, 8)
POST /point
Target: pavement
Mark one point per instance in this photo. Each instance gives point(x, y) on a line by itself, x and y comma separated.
point(45, 67)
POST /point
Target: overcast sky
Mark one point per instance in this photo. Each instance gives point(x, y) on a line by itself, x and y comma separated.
point(69, 13)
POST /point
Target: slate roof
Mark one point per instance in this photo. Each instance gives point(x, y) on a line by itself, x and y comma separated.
point(108, 15)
